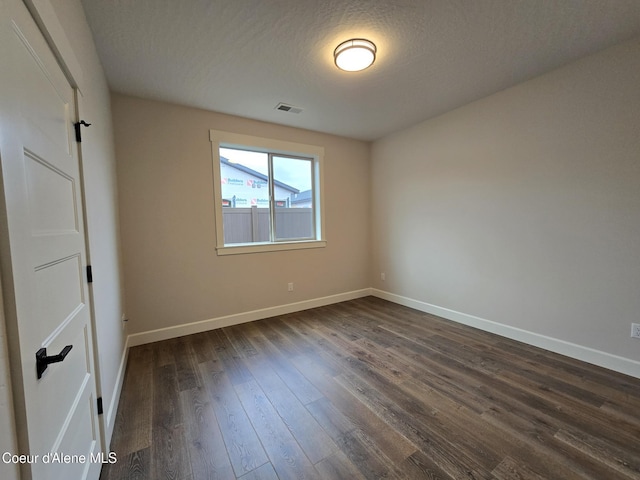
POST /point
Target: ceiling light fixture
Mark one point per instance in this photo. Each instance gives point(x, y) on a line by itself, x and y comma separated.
point(355, 54)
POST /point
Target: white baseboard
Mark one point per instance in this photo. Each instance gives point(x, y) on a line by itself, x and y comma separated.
point(616, 363)
point(236, 319)
point(579, 352)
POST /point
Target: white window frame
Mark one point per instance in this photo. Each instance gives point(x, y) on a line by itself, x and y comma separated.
point(223, 139)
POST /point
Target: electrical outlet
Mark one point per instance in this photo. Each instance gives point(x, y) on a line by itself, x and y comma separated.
point(383, 277)
point(290, 287)
point(635, 330)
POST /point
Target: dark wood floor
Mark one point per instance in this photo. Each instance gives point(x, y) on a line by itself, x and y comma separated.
point(369, 389)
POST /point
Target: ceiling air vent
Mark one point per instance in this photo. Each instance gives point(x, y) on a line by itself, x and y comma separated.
point(283, 107)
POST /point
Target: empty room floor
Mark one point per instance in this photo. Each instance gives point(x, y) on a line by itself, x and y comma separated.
point(369, 389)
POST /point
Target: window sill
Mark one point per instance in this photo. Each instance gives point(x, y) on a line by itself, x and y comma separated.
point(269, 247)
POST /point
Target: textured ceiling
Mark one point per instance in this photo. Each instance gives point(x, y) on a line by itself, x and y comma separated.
point(243, 57)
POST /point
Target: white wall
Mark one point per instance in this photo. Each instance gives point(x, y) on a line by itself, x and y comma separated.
point(173, 275)
point(523, 209)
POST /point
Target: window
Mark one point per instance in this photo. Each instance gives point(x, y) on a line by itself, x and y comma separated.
point(267, 194)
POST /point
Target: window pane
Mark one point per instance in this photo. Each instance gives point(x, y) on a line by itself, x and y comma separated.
point(293, 198)
point(245, 196)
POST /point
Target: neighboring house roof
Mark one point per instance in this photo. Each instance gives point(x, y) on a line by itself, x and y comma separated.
point(302, 197)
point(261, 176)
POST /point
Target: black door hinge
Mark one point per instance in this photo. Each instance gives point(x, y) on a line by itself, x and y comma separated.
point(89, 274)
point(99, 405)
point(77, 126)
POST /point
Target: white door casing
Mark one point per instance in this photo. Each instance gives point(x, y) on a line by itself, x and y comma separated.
point(43, 256)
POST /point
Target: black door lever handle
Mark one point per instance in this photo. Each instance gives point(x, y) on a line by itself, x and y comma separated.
point(42, 361)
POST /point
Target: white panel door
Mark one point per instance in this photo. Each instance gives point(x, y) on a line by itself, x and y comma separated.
point(43, 256)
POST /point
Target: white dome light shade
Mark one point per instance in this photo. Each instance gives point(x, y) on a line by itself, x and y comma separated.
point(355, 54)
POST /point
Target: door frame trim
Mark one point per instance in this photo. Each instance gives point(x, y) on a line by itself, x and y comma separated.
point(45, 16)
point(47, 22)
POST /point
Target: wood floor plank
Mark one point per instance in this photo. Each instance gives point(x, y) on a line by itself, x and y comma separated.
point(446, 377)
point(243, 446)
point(299, 342)
point(264, 472)
point(285, 346)
point(419, 466)
point(310, 436)
point(483, 431)
point(240, 340)
point(394, 414)
point(369, 389)
point(433, 437)
point(186, 368)
point(233, 364)
point(169, 459)
point(132, 429)
point(163, 353)
point(134, 466)
point(334, 422)
point(365, 455)
point(299, 327)
point(548, 456)
point(338, 465)
point(343, 413)
point(509, 469)
point(593, 377)
point(382, 359)
point(590, 418)
point(205, 445)
point(364, 328)
point(299, 385)
point(367, 352)
point(286, 456)
point(624, 461)
point(622, 410)
point(203, 347)
point(511, 366)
